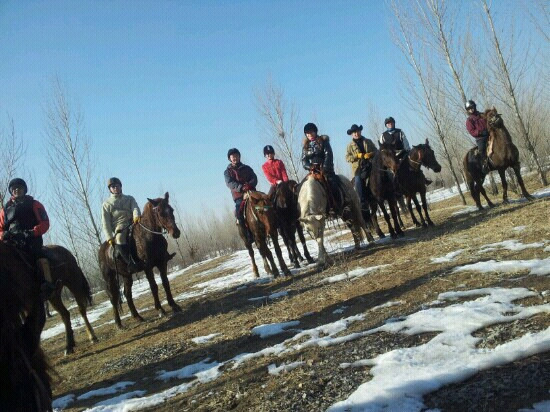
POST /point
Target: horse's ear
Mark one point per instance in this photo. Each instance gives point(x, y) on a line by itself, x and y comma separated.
point(166, 196)
point(154, 202)
point(427, 143)
point(494, 109)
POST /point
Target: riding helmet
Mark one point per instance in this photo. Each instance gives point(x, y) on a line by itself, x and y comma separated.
point(113, 181)
point(17, 182)
point(310, 127)
point(268, 149)
point(470, 104)
point(389, 120)
point(233, 151)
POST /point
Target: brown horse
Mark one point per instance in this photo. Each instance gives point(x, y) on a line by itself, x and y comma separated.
point(502, 155)
point(381, 188)
point(410, 179)
point(151, 249)
point(65, 268)
point(260, 220)
point(24, 379)
point(287, 215)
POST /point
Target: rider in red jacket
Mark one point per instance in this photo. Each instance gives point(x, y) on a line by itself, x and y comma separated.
point(274, 169)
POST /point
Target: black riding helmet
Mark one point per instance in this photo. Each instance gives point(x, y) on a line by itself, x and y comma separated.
point(470, 104)
point(310, 127)
point(268, 149)
point(114, 181)
point(233, 151)
point(389, 120)
point(17, 182)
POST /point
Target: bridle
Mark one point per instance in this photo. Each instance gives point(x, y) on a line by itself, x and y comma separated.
point(154, 232)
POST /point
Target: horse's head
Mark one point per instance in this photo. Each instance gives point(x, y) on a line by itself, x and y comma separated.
point(260, 202)
point(284, 194)
point(494, 118)
point(427, 156)
point(163, 214)
point(388, 157)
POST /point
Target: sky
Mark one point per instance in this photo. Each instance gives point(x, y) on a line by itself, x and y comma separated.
point(166, 88)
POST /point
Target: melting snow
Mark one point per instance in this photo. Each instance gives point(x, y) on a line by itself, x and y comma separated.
point(204, 339)
point(273, 369)
point(352, 274)
point(273, 328)
point(110, 390)
point(510, 245)
point(449, 257)
point(535, 266)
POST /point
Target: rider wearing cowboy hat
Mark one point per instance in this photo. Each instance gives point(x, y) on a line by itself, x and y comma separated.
point(119, 211)
point(359, 154)
point(23, 221)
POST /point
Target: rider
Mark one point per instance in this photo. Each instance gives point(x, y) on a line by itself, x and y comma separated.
point(239, 178)
point(23, 221)
point(359, 153)
point(274, 169)
point(398, 140)
point(119, 211)
point(317, 154)
point(395, 137)
point(477, 127)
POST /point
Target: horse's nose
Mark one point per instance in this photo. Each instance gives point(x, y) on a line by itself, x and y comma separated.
point(176, 233)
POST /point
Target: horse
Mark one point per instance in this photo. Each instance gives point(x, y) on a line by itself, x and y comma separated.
point(24, 378)
point(286, 215)
point(151, 249)
point(260, 220)
point(65, 268)
point(410, 179)
point(502, 155)
point(381, 188)
point(312, 200)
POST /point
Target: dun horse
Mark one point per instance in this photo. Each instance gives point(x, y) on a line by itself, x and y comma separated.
point(260, 219)
point(312, 200)
point(410, 179)
point(381, 188)
point(65, 268)
point(151, 250)
point(286, 214)
point(502, 155)
point(24, 380)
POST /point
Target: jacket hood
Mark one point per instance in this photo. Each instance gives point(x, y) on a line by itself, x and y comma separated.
point(322, 137)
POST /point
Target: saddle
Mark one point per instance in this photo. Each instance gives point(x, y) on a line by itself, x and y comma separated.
point(334, 206)
point(131, 243)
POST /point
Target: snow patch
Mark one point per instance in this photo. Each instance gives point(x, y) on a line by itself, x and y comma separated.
point(271, 329)
point(535, 266)
point(449, 257)
point(273, 369)
point(204, 339)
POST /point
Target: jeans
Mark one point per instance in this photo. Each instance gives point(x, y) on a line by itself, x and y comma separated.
point(238, 213)
point(360, 188)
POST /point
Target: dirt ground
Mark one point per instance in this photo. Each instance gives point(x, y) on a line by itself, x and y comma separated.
point(140, 350)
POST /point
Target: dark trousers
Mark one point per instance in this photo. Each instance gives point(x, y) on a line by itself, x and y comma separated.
point(238, 213)
point(361, 189)
point(481, 143)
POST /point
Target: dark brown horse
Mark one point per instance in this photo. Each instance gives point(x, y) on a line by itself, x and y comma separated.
point(287, 215)
point(502, 155)
point(24, 380)
point(260, 220)
point(381, 188)
point(65, 268)
point(152, 251)
point(410, 179)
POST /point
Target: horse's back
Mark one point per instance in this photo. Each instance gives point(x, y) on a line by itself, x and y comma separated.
point(312, 198)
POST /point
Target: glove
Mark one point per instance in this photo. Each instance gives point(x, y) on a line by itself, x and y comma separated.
point(359, 155)
point(137, 219)
point(111, 241)
point(368, 155)
point(279, 182)
point(246, 187)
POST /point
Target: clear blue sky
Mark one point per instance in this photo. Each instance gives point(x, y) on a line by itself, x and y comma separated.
point(167, 87)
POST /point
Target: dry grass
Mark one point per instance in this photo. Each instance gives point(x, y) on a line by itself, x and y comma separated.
point(141, 349)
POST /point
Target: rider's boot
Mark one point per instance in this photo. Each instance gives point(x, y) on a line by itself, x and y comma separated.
point(47, 288)
point(124, 253)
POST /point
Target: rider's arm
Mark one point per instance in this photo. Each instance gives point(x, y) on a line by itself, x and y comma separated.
point(42, 218)
point(268, 175)
point(135, 208)
point(406, 145)
point(231, 182)
point(351, 155)
point(2, 224)
point(283, 172)
point(107, 224)
point(328, 164)
point(306, 161)
point(253, 181)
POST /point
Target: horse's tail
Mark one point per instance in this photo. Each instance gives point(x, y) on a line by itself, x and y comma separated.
point(467, 175)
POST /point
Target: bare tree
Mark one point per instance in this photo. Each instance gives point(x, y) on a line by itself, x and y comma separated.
point(424, 74)
point(69, 157)
point(279, 120)
point(510, 85)
point(12, 152)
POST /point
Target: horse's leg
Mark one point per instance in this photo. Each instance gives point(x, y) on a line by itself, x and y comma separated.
point(401, 203)
point(290, 246)
point(484, 193)
point(524, 192)
point(302, 238)
point(394, 215)
point(57, 304)
point(149, 274)
point(347, 217)
point(419, 209)
point(129, 300)
point(268, 258)
point(114, 296)
point(425, 207)
point(277, 248)
point(411, 212)
point(89, 330)
point(502, 174)
point(387, 218)
point(163, 270)
point(374, 221)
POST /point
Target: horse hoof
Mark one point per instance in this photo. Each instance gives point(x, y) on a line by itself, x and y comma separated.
point(491, 205)
point(176, 308)
point(418, 224)
point(311, 261)
point(424, 225)
point(296, 266)
point(381, 235)
point(94, 339)
point(69, 351)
